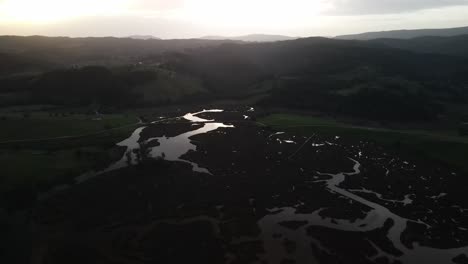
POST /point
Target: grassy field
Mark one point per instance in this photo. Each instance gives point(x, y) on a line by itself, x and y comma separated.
point(41, 150)
point(39, 125)
point(35, 168)
point(451, 150)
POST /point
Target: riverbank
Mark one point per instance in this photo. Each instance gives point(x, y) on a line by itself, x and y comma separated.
point(44, 149)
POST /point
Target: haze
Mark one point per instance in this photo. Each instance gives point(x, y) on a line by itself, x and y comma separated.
point(196, 18)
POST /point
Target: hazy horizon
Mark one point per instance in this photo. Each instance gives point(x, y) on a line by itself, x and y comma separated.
point(198, 18)
point(209, 36)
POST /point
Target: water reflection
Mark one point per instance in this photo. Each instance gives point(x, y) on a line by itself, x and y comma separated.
point(170, 148)
point(173, 148)
point(374, 219)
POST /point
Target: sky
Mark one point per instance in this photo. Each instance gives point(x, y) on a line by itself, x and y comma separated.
point(197, 18)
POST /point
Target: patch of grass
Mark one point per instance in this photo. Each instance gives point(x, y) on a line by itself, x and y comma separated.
point(349, 91)
point(42, 163)
point(450, 150)
point(292, 121)
point(286, 120)
point(27, 172)
point(41, 125)
point(31, 166)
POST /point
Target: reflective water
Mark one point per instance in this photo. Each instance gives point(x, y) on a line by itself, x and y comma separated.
point(374, 219)
point(173, 148)
point(192, 117)
point(170, 148)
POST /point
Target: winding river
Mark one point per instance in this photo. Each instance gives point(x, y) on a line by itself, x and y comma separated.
point(173, 149)
point(170, 148)
point(375, 219)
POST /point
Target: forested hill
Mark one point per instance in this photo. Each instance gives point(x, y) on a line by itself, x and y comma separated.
point(359, 78)
point(66, 51)
point(408, 34)
point(234, 66)
point(456, 46)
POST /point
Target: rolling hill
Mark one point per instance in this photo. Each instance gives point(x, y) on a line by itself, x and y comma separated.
point(371, 79)
point(108, 51)
point(144, 37)
point(455, 46)
point(407, 34)
point(252, 38)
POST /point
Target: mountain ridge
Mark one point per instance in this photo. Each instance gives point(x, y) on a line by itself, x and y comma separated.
point(252, 38)
point(143, 37)
point(406, 33)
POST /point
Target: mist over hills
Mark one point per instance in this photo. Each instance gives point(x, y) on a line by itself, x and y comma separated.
point(407, 34)
point(144, 37)
point(252, 38)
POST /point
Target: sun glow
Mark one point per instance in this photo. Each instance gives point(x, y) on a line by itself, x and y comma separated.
point(272, 13)
point(251, 13)
point(44, 11)
point(165, 18)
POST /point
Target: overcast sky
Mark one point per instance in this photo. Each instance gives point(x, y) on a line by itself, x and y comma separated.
point(196, 18)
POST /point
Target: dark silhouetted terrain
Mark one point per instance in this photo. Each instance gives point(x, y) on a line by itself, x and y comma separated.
point(364, 79)
point(246, 150)
point(252, 38)
point(144, 37)
point(455, 46)
point(408, 34)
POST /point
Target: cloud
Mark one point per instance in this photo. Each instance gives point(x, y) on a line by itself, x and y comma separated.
point(334, 7)
point(366, 7)
point(194, 18)
point(157, 5)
